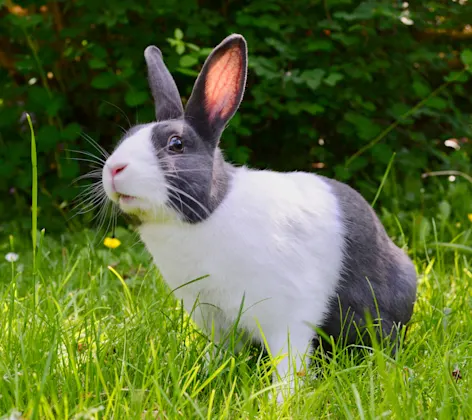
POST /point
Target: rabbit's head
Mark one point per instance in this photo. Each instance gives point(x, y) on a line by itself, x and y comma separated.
point(173, 168)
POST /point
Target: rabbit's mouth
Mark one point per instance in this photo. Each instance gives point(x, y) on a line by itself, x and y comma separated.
point(125, 198)
point(143, 209)
point(126, 202)
point(131, 205)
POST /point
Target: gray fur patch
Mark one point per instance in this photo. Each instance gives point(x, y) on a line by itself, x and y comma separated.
point(369, 254)
point(198, 179)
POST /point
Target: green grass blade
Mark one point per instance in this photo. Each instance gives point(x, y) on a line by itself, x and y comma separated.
point(34, 191)
point(384, 178)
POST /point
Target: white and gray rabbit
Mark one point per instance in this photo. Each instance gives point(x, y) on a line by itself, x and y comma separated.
point(298, 250)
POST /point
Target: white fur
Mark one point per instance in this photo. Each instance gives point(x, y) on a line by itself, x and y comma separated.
point(276, 240)
point(142, 177)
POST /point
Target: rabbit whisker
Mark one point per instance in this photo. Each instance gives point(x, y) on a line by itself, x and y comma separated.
point(99, 148)
point(182, 203)
point(183, 193)
point(83, 152)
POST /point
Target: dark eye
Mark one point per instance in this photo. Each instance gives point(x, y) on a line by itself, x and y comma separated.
point(176, 145)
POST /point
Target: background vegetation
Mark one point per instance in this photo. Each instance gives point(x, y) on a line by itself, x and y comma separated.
point(327, 80)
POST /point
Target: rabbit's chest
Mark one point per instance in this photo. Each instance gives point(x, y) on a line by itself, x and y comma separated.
point(209, 270)
point(276, 255)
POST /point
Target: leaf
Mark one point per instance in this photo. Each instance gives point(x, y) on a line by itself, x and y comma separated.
point(7, 169)
point(96, 63)
point(312, 78)
point(436, 102)
point(47, 138)
point(98, 51)
point(188, 72)
point(193, 47)
point(104, 81)
point(205, 52)
point(347, 40)
point(421, 89)
point(264, 67)
point(333, 79)
point(295, 108)
point(320, 45)
point(457, 76)
point(188, 61)
point(264, 21)
point(124, 62)
point(31, 21)
point(71, 131)
point(366, 129)
point(69, 168)
point(312, 109)
point(54, 105)
point(135, 98)
point(382, 153)
point(178, 34)
point(127, 72)
point(360, 163)
point(342, 173)
point(466, 57)
point(398, 110)
point(444, 210)
point(284, 50)
point(38, 96)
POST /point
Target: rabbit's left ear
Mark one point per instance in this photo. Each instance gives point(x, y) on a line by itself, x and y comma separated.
point(164, 90)
point(219, 89)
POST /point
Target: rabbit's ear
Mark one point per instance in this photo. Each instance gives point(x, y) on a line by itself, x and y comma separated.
point(219, 88)
point(164, 90)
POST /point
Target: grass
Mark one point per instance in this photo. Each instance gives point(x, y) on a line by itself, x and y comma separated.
point(89, 332)
point(100, 337)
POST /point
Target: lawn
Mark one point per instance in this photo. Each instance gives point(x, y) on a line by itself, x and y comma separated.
point(95, 333)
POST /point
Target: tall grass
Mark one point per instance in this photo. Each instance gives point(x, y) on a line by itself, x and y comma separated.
point(103, 343)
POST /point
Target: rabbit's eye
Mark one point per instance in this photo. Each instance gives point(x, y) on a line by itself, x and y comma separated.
point(176, 145)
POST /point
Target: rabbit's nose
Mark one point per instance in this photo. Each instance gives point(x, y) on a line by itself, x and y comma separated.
point(115, 170)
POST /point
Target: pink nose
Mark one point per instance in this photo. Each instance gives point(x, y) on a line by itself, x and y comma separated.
point(115, 170)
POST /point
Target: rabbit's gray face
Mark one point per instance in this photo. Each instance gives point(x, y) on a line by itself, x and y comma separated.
point(196, 176)
point(165, 170)
point(173, 169)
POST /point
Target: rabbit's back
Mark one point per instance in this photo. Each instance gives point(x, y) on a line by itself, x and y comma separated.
point(372, 266)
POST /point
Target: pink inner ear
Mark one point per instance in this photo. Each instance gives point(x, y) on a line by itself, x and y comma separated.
point(222, 84)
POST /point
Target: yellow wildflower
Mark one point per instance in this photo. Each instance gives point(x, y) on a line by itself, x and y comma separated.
point(470, 217)
point(111, 242)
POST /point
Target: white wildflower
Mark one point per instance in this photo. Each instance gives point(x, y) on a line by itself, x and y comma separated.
point(452, 143)
point(13, 415)
point(406, 20)
point(12, 257)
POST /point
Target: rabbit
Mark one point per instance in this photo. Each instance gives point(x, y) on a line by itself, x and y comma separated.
point(281, 254)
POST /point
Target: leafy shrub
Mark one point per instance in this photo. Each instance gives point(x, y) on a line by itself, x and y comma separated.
point(327, 80)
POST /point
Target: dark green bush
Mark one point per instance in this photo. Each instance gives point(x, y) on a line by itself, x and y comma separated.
point(327, 78)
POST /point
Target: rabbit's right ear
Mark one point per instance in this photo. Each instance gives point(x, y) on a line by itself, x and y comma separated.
point(164, 90)
point(219, 89)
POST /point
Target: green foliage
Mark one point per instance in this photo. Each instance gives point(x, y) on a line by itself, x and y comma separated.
point(327, 80)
